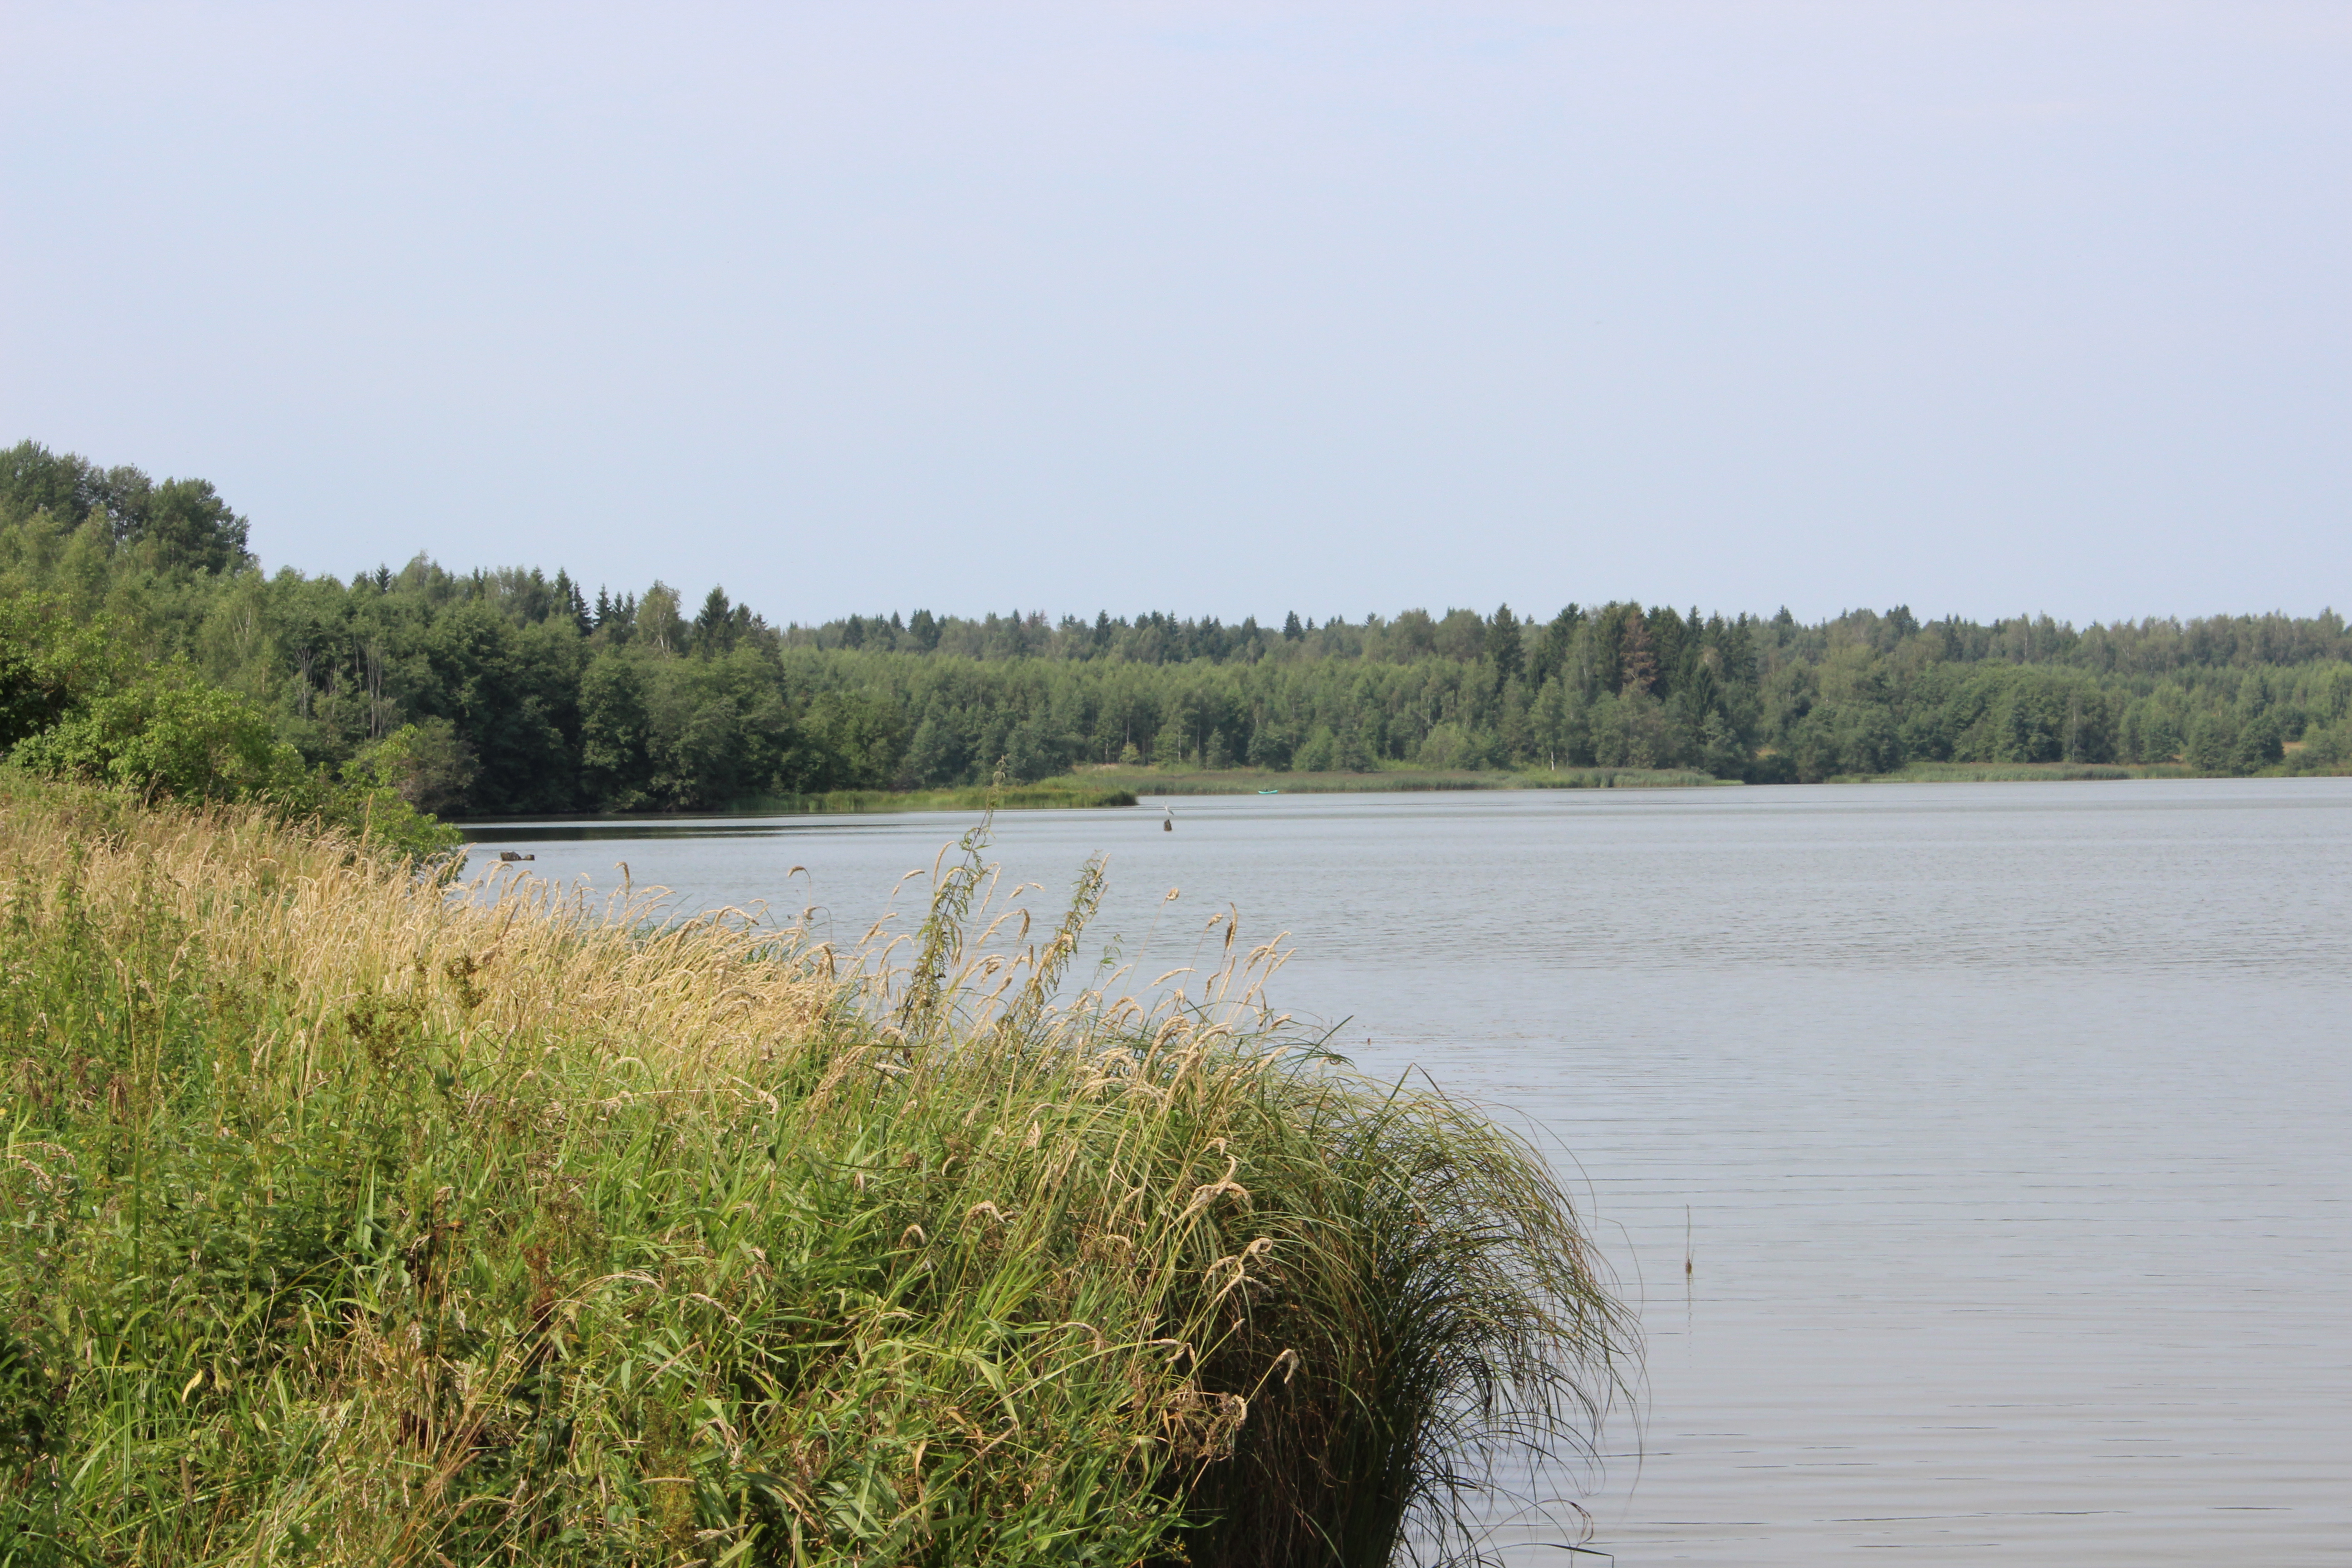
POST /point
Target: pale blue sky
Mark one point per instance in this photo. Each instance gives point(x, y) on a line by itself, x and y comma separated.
point(1217, 308)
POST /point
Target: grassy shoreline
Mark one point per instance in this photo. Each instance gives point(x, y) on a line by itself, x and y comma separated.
point(1111, 788)
point(1146, 781)
point(1060, 794)
point(1253, 781)
point(1047, 794)
point(1098, 788)
point(354, 1225)
point(2066, 772)
point(2024, 772)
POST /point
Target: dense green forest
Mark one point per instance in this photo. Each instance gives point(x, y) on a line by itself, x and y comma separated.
point(511, 691)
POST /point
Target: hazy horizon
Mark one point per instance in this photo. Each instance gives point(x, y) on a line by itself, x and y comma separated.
point(1224, 310)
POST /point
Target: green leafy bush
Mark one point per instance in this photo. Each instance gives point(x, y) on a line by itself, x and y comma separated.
point(48, 663)
point(70, 708)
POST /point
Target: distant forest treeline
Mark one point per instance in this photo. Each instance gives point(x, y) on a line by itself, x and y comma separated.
point(526, 695)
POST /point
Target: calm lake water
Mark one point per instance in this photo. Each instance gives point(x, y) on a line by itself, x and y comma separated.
point(2009, 1123)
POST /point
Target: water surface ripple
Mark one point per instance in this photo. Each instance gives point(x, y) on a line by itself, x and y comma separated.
point(2008, 1121)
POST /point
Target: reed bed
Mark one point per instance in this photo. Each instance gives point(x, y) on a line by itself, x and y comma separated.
point(351, 1222)
point(2020, 773)
point(1059, 793)
point(1247, 780)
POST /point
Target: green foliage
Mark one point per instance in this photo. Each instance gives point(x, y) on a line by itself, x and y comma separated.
point(169, 734)
point(179, 523)
point(350, 1223)
point(427, 765)
point(526, 698)
point(48, 664)
point(73, 708)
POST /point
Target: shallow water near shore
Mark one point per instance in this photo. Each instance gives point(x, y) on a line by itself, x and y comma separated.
point(2006, 1130)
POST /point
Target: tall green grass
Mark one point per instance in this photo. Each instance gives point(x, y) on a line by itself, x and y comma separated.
point(349, 1223)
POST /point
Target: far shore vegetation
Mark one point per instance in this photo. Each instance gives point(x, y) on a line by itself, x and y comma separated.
point(511, 692)
point(1144, 780)
point(354, 1224)
point(1059, 792)
point(1113, 786)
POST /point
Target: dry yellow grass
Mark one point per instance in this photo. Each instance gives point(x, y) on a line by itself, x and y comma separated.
point(339, 929)
point(358, 1222)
